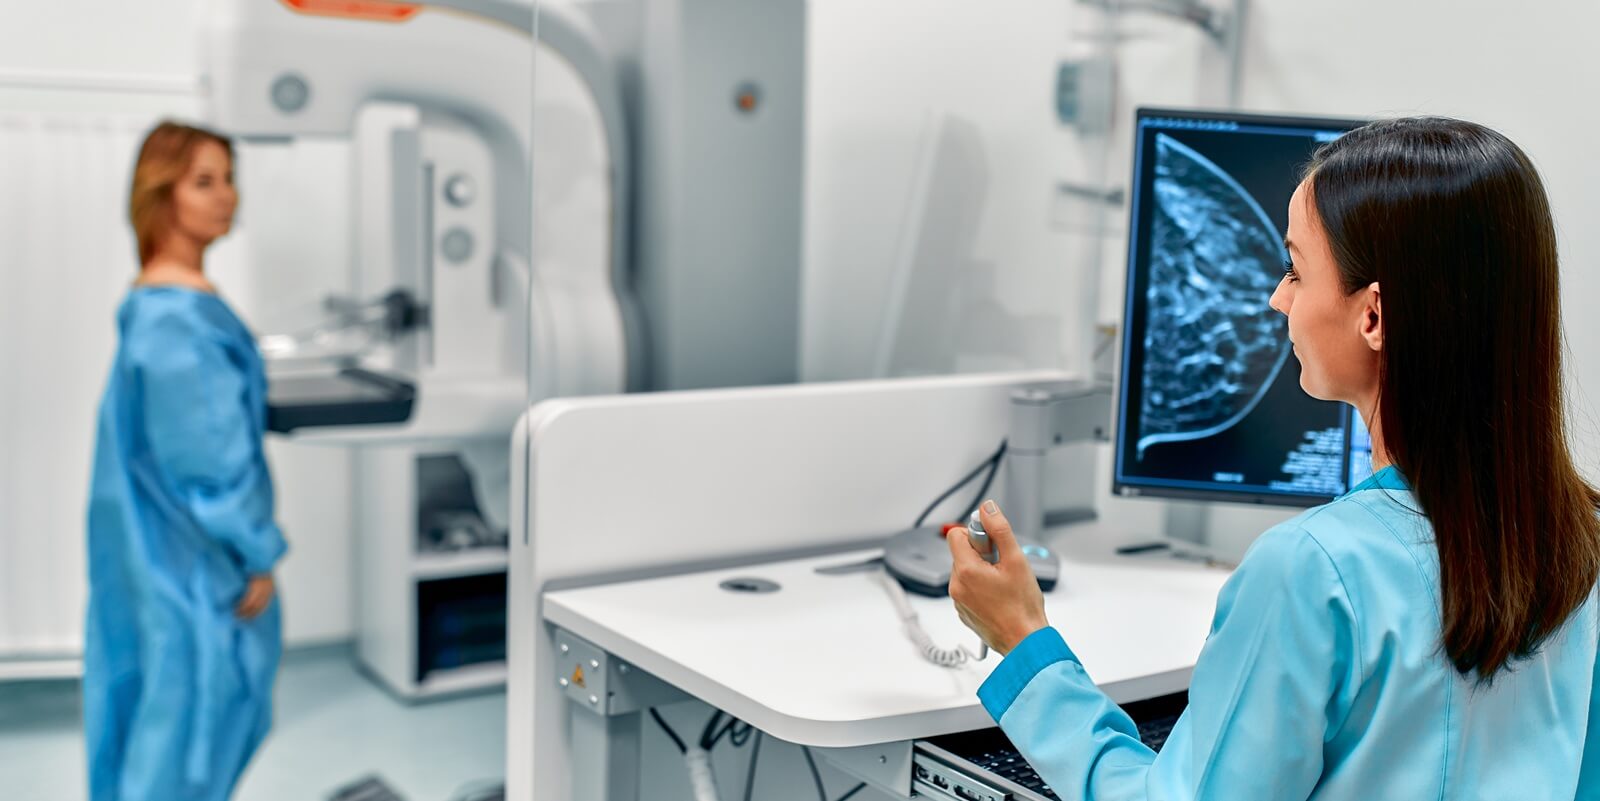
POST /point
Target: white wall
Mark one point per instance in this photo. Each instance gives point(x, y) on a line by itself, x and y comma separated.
point(897, 229)
point(80, 80)
point(150, 38)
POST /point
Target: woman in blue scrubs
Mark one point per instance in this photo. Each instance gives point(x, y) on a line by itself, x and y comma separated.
point(1429, 635)
point(182, 638)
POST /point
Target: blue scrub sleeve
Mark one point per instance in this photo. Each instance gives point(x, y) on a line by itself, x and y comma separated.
point(203, 438)
point(1276, 675)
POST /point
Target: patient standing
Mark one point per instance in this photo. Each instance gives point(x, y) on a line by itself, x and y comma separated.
point(183, 632)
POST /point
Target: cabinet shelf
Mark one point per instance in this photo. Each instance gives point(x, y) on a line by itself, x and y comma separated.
point(451, 564)
point(462, 679)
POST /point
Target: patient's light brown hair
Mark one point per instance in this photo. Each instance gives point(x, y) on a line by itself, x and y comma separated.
point(163, 160)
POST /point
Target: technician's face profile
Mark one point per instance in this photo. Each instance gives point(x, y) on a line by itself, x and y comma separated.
point(1324, 321)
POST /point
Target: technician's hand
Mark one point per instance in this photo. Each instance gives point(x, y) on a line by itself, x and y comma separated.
point(1002, 601)
point(257, 594)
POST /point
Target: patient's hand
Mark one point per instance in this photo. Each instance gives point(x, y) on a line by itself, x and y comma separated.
point(257, 594)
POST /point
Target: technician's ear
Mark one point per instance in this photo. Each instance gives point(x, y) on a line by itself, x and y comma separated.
point(1372, 317)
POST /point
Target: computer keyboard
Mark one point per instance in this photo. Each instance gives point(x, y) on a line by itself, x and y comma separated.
point(1007, 763)
point(1154, 732)
point(990, 750)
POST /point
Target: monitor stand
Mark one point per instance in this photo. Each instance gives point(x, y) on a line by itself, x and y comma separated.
point(1187, 530)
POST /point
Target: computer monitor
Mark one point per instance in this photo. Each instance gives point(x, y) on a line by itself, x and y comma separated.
point(1209, 404)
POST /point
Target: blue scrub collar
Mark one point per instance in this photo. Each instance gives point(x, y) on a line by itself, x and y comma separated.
point(1388, 478)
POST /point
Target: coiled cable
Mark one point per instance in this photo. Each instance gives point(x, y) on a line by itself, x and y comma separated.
point(943, 657)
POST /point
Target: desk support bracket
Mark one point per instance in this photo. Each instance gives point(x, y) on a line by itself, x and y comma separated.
point(608, 696)
point(886, 766)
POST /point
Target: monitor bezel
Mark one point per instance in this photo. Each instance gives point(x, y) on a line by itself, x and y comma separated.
point(1125, 489)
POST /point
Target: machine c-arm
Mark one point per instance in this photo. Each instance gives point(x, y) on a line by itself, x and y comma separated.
point(527, 202)
point(457, 208)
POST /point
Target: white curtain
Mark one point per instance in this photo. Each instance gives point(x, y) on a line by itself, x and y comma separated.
point(66, 255)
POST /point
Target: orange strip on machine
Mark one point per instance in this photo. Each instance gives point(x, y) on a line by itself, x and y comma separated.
point(373, 10)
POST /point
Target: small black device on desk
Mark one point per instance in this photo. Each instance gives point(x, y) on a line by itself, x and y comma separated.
point(983, 765)
point(920, 558)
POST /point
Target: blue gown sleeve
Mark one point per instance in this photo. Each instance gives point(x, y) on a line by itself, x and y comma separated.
point(203, 439)
point(1277, 673)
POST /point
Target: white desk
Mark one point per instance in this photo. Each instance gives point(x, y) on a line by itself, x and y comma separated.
point(823, 661)
point(620, 486)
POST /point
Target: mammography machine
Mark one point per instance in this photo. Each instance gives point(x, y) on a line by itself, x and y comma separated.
point(445, 196)
point(499, 261)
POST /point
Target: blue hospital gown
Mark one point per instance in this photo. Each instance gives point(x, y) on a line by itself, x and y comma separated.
point(176, 688)
point(1323, 678)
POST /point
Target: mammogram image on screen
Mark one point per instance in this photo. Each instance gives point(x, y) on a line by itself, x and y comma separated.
point(1212, 344)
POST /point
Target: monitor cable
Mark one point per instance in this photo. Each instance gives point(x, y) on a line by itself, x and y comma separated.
point(991, 464)
point(816, 777)
point(702, 779)
point(697, 756)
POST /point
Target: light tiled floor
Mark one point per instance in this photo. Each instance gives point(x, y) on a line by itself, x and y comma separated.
point(333, 726)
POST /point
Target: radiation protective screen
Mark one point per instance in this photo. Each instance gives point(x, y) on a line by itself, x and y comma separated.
point(1209, 400)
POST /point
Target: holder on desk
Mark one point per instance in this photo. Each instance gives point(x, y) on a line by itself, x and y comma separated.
point(1044, 416)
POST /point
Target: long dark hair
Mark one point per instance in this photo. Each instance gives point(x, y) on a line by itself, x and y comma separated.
point(1451, 220)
